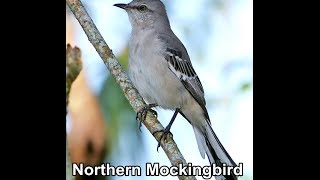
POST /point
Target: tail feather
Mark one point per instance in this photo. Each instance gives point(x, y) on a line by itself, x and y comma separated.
point(216, 145)
point(200, 139)
point(209, 143)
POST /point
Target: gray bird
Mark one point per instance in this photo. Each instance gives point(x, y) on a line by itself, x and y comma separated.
point(161, 70)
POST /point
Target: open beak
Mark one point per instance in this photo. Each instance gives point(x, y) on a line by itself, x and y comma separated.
point(122, 6)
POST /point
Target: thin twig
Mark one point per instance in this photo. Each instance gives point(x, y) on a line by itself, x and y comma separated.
point(152, 124)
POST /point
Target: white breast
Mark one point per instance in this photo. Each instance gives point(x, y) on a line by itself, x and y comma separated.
point(150, 74)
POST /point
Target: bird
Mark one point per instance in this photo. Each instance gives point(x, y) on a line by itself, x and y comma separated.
point(161, 70)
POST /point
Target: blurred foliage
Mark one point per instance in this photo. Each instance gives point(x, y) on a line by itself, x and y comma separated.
point(121, 118)
point(245, 86)
point(218, 4)
point(123, 58)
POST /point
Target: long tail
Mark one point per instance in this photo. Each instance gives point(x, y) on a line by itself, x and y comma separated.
point(208, 143)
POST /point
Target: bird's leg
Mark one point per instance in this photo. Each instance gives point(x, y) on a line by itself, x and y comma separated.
point(141, 114)
point(167, 129)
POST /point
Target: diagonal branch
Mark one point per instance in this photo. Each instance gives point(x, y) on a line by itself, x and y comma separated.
point(152, 124)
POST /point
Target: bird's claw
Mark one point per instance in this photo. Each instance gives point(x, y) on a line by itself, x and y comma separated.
point(164, 135)
point(142, 113)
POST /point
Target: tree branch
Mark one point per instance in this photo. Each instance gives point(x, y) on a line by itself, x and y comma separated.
point(73, 68)
point(152, 124)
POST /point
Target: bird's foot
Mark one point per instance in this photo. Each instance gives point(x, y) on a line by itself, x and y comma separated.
point(142, 113)
point(164, 135)
point(166, 130)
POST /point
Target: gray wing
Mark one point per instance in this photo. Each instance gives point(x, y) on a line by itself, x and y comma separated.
point(179, 63)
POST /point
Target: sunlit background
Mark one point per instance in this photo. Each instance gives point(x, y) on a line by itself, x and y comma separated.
point(218, 35)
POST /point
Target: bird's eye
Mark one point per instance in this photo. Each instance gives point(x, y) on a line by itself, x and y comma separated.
point(142, 8)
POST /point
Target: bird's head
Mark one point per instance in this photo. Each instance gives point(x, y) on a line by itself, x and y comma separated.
point(145, 13)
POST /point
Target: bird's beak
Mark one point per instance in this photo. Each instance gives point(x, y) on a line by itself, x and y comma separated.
point(122, 6)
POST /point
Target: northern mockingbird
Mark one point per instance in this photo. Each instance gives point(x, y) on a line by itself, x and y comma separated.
point(161, 70)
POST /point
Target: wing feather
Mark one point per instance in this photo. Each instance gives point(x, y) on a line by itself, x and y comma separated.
point(179, 63)
point(183, 69)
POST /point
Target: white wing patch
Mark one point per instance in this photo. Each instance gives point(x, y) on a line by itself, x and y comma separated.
point(183, 69)
point(180, 67)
